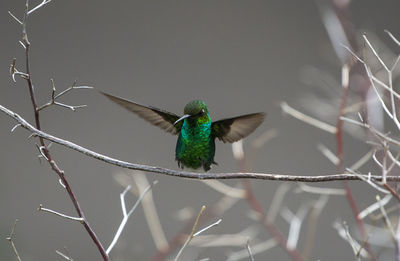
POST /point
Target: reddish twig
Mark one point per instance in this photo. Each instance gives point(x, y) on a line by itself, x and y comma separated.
point(392, 191)
point(261, 214)
point(340, 165)
point(44, 149)
point(54, 166)
point(271, 228)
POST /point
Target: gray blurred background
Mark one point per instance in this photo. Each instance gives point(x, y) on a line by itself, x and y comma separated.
point(238, 56)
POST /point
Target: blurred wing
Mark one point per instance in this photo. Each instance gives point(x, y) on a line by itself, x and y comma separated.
point(163, 119)
point(234, 129)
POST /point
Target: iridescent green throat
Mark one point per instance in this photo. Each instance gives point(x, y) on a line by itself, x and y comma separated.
point(196, 146)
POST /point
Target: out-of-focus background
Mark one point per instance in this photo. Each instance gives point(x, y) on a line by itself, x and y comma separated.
point(238, 56)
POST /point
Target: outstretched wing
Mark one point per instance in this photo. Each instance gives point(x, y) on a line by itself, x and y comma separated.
point(163, 119)
point(234, 129)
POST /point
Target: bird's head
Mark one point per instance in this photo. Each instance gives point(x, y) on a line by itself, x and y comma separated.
point(194, 109)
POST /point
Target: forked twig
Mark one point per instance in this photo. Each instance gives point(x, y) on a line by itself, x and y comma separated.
point(10, 238)
point(126, 214)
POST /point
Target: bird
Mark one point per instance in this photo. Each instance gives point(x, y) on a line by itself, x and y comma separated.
point(196, 131)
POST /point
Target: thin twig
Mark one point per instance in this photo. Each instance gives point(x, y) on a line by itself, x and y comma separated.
point(126, 214)
point(41, 208)
point(393, 38)
point(277, 200)
point(387, 220)
point(256, 249)
point(344, 233)
point(375, 206)
point(216, 223)
point(309, 241)
point(187, 174)
point(54, 97)
point(307, 119)
point(295, 221)
point(191, 234)
point(225, 189)
point(150, 211)
point(317, 190)
point(249, 250)
point(65, 256)
point(10, 238)
point(28, 77)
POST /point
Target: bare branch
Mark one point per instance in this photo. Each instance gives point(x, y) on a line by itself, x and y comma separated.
point(373, 130)
point(362, 160)
point(317, 190)
point(10, 238)
point(249, 250)
point(375, 53)
point(309, 239)
point(370, 209)
point(295, 221)
point(41, 208)
point(387, 220)
point(393, 38)
point(256, 249)
point(237, 240)
point(216, 223)
point(277, 201)
point(15, 18)
point(54, 97)
point(191, 234)
point(150, 211)
point(328, 154)
point(344, 233)
point(225, 189)
point(65, 256)
point(126, 214)
point(307, 119)
point(370, 181)
point(43, 3)
point(186, 174)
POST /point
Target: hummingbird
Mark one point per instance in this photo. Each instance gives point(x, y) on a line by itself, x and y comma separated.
point(196, 131)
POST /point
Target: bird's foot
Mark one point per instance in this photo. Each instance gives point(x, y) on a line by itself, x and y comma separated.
point(205, 164)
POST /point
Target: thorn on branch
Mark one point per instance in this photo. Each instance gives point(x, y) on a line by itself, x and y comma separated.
point(32, 135)
point(42, 152)
point(15, 18)
point(23, 45)
point(14, 71)
point(79, 219)
point(54, 97)
point(65, 256)
point(61, 183)
point(16, 126)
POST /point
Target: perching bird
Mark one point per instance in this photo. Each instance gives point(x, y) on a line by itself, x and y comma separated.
point(195, 147)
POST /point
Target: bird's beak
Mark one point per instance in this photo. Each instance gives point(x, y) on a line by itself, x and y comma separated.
point(182, 118)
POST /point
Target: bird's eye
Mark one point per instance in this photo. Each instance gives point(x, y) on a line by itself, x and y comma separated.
point(202, 111)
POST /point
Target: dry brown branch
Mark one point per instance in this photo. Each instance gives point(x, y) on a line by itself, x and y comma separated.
point(44, 150)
